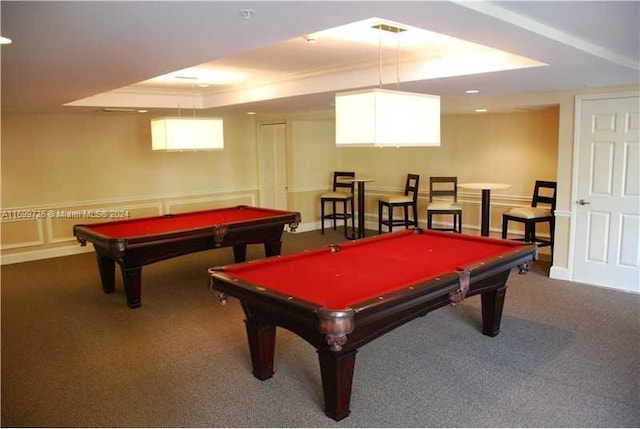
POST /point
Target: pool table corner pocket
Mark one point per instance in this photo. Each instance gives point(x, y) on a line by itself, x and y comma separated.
point(335, 324)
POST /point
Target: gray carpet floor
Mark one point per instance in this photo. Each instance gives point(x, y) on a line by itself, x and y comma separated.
point(568, 355)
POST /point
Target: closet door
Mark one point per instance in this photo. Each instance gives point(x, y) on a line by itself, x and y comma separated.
point(272, 157)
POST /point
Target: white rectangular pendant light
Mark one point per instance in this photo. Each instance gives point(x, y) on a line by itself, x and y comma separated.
point(382, 117)
point(177, 134)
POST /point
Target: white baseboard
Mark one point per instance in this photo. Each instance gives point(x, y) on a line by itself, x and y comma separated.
point(559, 273)
point(306, 227)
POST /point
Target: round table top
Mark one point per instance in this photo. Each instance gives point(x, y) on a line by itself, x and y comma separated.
point(484, 185)
point(358, 179)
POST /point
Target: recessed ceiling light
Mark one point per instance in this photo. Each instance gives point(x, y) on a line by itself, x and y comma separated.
point(142, 110)
point(480, 110)
point(119, 110)
point(5, 40)
point(471, 91)
point(251, 113)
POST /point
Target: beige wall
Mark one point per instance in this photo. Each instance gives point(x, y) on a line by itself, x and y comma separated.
point(509, 148)
point(313, 159)
point(314, 153)
point(61, 158)
point(513, 148)
point(74, 161)
point(71, 162)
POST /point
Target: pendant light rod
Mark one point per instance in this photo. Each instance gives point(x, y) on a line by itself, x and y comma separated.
point(397, 60)
point(387, 118)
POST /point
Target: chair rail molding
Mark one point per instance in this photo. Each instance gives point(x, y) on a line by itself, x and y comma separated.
point(47, 233)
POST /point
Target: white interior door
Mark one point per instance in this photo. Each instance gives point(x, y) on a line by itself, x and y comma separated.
point(273, 166)
point(607, 204)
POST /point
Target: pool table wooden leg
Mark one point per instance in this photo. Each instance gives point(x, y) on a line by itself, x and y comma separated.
point(132, 279)
point(239, 252)
point(273, 248)
point(492, 304)
point(262, 342)
point(107, 268)
point(336, 371)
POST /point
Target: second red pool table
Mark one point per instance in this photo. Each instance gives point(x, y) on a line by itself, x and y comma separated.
point(341, 297)
point(133, 243)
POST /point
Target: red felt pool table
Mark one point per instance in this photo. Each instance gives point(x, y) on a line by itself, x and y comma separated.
point(133, 243)
point(341, 297)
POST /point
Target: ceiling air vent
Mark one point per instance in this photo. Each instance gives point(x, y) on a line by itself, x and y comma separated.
point(118, 110)
point(389, 28)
